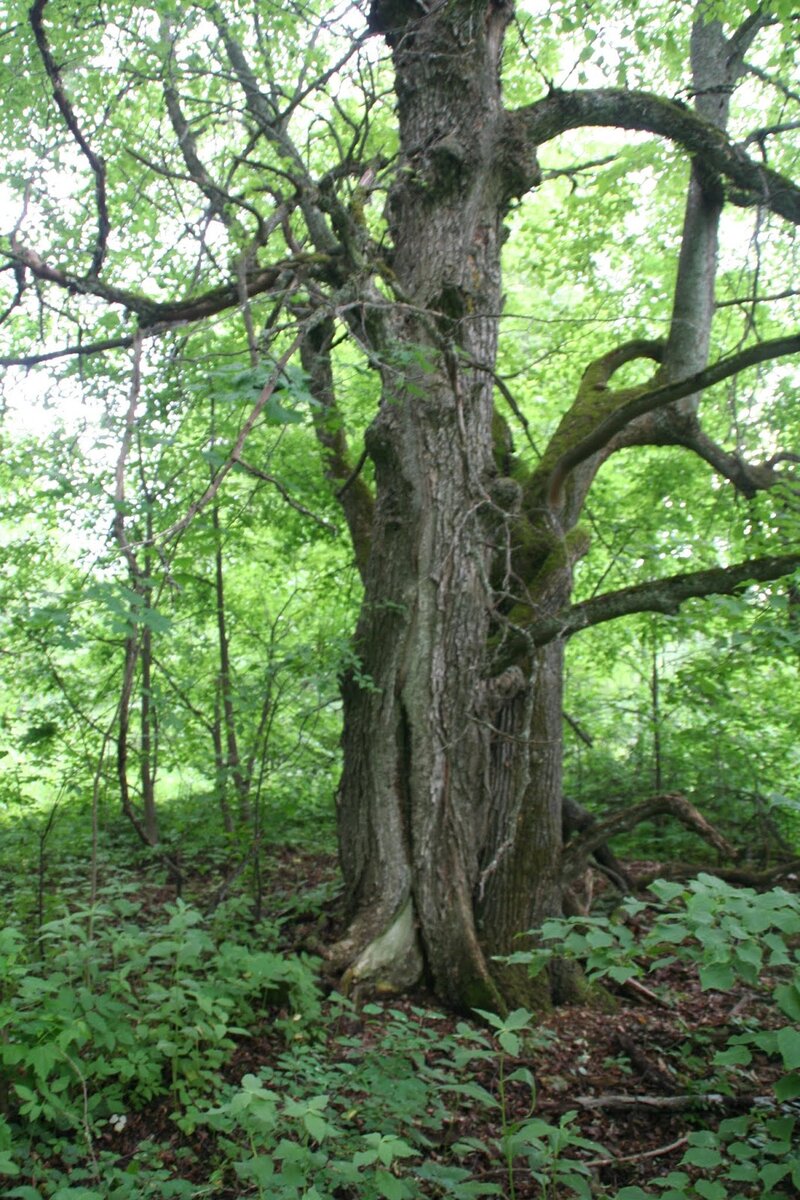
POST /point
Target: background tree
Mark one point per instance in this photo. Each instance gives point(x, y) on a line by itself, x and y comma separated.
point(265, 185)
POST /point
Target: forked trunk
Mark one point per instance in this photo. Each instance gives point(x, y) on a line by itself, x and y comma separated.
point(450, 803)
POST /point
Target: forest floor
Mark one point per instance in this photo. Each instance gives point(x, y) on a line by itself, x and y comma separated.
point(636, 1068)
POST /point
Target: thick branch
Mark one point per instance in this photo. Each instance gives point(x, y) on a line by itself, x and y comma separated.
point(353, 493)
point(618, 108)
point(662, 595)
point(738, 875)
point(598, 374)
point(33, 360)
point(748, 478)
point(186, 140)
point(650, 399)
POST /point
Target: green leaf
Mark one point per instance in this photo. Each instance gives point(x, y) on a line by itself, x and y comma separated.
point(510, 1042)
point(702, 1156)
point(520, 1018)
point(77, 1193)
point(7, 1164)
point(710, 1189)
point(787, 996)
point(733, 1056)
point(772, 1173)
point(788, 1087)
point(316, 1125)
point(665, 890)
point(789, 1047)
point(277, 414)
point(390, 1186)
point(717, 977)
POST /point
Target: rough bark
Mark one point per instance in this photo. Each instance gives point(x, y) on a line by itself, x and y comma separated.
point(413, 793)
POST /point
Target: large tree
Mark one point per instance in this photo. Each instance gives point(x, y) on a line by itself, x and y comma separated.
point(348, 177)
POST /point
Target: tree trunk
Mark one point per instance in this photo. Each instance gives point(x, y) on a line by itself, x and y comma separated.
point(450, 801)
point(147, 756)
point(415, 791)
point(232, 759)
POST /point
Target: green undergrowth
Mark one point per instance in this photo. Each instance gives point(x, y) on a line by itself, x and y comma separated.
point(46, 849)
point(108, 1021)
point(160, 1049)
point(733, 937)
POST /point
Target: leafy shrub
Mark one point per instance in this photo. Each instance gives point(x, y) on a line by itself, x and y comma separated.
point(113, 1015)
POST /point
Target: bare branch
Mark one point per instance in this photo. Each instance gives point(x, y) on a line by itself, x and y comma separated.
point(171, 312)
point(759, 135)
point(579, 848)
point(779, 86)
point(272, 126)
point(712, 1100)
point(578, 730)
point(578, 168)
point(184, 697)
point(738, 875)
point(354, 474)
point(756, 299)
point(33, 360)
point(17, 300)
point(645, 1155)
point(234, 457)
point(748, 478)
point(257, 473)
point(36, 14)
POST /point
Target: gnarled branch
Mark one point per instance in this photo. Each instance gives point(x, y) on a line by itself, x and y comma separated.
point(599, 832)
point(659, 397)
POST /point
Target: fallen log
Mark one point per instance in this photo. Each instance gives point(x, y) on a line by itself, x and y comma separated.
point(623, 1102)
point(739, 875)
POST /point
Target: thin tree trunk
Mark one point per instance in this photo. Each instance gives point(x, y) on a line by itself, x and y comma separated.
point(232, 759)
point(146, 756)
point(123, 730)
point(220, 771)
point(655, 702)
point(147, 760)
